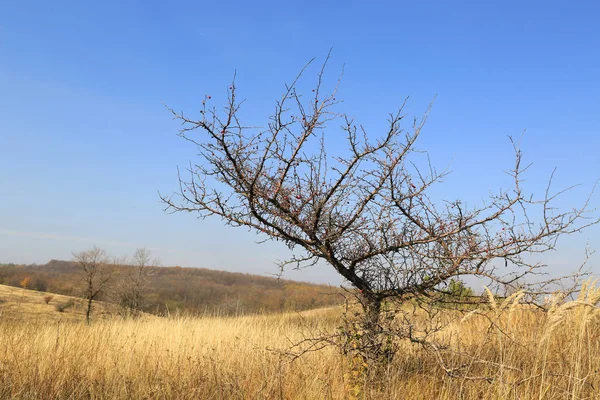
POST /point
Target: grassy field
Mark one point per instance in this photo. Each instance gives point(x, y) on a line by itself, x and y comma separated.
point(523, 355)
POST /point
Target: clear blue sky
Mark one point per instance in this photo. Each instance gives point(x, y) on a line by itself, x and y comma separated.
point(85, 142)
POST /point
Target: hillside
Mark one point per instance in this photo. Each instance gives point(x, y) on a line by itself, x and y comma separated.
point(192, 290)
point(17, 304)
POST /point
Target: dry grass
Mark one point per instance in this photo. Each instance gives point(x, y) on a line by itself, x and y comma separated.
point(19, 304)
point(523, 354)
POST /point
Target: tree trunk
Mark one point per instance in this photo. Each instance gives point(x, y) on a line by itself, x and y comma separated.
point(372, 309)
point(371, 338)
point(88, 311)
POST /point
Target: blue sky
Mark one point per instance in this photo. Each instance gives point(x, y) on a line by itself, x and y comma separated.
point(86, 143)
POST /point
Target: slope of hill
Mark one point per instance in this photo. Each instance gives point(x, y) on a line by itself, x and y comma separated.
point(17, 304)
point(195, 290)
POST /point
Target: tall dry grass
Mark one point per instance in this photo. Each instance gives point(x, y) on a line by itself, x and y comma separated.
point(506, 352)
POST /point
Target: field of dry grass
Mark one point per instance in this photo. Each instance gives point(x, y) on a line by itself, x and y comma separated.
point(508, 353)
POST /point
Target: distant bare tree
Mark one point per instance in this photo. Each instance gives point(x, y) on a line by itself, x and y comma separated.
point(96, 268)
point(131, 290)
point(366, 210)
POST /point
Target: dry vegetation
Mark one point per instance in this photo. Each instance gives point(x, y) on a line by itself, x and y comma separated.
point(520, 354)
point(18, 304)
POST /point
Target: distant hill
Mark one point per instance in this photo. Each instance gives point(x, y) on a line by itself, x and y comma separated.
point(193, 290)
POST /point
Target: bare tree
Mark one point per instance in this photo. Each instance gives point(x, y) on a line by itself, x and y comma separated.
point(367, 212)
point(131, 290)
point(96, 271)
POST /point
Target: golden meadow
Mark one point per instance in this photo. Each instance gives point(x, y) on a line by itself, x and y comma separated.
point(511, 352)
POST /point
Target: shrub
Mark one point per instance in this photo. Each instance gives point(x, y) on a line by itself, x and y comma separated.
point(61, 307)
point(48, 298)
point(25, 282)
point(458, 289)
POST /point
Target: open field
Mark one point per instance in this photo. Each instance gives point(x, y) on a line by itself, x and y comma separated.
point(554, 356)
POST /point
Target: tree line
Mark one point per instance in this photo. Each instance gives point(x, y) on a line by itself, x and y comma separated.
point(140, 284)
